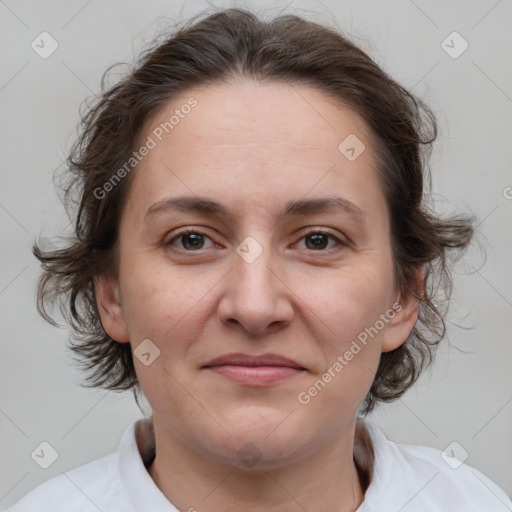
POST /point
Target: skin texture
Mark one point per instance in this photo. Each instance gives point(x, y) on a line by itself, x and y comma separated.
point(253, 147)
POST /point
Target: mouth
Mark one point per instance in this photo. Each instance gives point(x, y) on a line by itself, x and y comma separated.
point(255, 370)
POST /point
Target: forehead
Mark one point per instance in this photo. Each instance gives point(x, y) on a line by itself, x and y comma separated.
point(246, 139)
point(249, 113)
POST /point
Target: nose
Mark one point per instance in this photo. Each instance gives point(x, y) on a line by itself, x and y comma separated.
point(256, 297)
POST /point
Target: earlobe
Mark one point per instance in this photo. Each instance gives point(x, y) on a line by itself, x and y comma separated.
point(400, 326)
point(110, 308)
point(402, 323)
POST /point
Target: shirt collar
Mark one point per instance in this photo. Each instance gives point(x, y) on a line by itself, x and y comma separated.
point(136, 451)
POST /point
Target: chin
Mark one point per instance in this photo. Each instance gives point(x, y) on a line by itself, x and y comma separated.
point(264, 443)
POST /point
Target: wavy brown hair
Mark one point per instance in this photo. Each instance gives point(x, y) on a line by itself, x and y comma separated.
point(236, 43)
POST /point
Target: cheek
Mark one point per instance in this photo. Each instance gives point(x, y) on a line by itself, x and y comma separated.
point(350, 299)
point(162, 303)
point(147, 303)
point(351, 307)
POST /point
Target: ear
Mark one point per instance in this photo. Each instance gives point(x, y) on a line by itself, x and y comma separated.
point(406, 309)
point(110, 308)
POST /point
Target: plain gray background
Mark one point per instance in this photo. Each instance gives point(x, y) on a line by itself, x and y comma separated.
point(467, 395)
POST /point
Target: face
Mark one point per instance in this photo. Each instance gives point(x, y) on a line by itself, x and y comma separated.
point(273, 268)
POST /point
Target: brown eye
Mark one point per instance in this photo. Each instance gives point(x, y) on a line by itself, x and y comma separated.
point(189, 240)
point(319, 240)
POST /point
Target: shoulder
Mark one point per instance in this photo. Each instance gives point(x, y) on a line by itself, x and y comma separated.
point(88, 488)
point(451, 481)
point(417, 478)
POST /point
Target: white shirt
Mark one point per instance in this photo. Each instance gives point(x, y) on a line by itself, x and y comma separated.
point(406, 478)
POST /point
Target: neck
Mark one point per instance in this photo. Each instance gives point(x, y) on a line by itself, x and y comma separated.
point(330, 480)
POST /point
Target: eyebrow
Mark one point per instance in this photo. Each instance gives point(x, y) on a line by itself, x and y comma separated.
point(196, 204)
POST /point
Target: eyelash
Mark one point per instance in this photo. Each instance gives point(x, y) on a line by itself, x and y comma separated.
point(189, 231)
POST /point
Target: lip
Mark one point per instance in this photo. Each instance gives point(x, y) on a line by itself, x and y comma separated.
point(255, 370)
point(239, 359)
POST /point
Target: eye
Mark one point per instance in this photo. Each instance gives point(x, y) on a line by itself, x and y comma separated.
point(191, 240)
point(319, 240)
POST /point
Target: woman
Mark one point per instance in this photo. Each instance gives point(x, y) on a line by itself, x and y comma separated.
point(253, 254)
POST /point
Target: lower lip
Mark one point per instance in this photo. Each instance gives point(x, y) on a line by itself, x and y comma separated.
point(256, 375)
